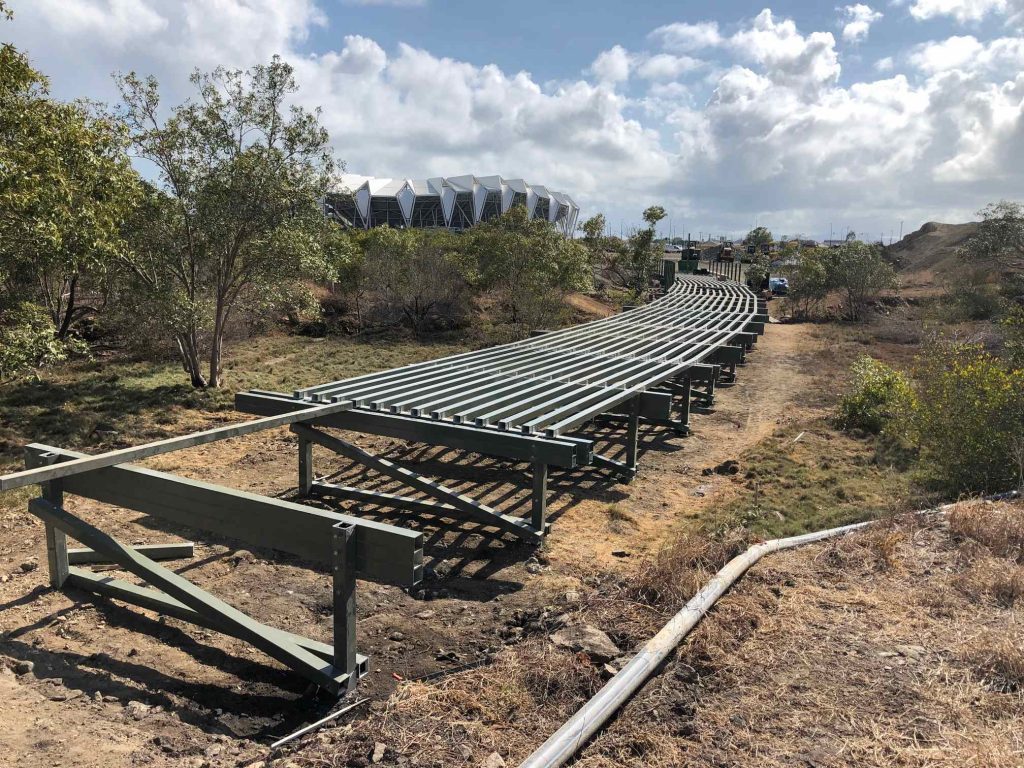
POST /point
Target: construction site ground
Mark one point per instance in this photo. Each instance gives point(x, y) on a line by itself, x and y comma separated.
point(463, 666)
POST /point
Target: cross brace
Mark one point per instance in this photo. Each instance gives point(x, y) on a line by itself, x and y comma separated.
point(452, 501)
point(336, 669)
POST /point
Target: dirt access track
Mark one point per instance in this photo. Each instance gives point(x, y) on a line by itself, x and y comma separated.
point(85, 681)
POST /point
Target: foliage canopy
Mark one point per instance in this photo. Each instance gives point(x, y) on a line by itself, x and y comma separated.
point(234, 221)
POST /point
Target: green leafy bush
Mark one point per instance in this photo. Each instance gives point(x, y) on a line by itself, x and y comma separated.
point(28, 340)
point(877, 396)
point(969, 419)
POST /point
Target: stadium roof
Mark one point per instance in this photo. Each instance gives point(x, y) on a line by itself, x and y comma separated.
point(453, 202)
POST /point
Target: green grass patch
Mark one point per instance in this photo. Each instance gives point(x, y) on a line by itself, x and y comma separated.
point(106, 403)
point(788, 486)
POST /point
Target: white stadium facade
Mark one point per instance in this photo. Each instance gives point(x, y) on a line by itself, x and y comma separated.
point(453, 202)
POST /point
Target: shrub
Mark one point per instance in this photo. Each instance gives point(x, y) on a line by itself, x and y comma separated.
point(808, 282)
point(969, 419)
point(877, 396)
point(860, 273)
point(28, 340)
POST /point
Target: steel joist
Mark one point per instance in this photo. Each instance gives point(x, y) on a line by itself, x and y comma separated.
point(528, 400)
point(525, 401)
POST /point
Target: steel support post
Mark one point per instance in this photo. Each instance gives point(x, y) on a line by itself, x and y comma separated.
point(56, 539)
point(539, 498)
point(305, 466)
point(632, 433)
point(684, 415)
point(344, 539)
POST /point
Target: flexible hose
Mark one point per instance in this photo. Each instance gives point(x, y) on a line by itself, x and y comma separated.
point(567, 740)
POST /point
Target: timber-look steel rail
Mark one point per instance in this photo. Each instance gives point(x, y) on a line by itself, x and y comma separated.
point(526, 401)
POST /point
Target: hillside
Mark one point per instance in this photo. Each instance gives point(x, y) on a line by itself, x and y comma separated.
point(932, 247)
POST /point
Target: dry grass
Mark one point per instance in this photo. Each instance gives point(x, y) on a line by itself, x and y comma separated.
point(988, 578)
point(997, 526)
point(998, 659)
point(462, 719)
point(896, 646)
point(684, 564)
point(619, 520)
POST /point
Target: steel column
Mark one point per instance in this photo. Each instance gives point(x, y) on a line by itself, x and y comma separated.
point(56, 539)
point(539, 497)
point(632, 433)
point(344, 539)
point(305, 466)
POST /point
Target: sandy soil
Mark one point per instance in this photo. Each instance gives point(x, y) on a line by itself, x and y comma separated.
point(116, 686)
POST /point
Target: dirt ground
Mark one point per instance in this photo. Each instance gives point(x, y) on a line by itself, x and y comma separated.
point(88, 682)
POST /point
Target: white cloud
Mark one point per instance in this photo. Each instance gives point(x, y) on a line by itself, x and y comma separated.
point(762, 119)
point(961, 10)
point(361, 55)
point(951, 53)
point(612, 66)
point(858, 20)
point(113, 21)
point(967, 55)
point(665, 66)
point(686, 38)
point(786, 56)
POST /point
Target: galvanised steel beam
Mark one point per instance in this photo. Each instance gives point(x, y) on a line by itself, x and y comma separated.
point(384, 553)
point(466, 505)
point(86, 463)
point(210, 608)
point(177, 551)
point(557, 452)
point(332, 490)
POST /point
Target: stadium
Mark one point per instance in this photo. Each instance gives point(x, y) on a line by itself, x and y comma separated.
point(453, 202)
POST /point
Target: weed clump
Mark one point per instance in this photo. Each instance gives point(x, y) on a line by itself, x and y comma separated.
point(684, 564)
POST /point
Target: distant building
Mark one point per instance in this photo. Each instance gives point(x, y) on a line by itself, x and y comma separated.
point(453, 202)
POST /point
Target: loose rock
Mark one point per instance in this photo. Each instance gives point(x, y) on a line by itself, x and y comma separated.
point(590, 640)
point(378, 752)
point(494, 760)
point(137, 710)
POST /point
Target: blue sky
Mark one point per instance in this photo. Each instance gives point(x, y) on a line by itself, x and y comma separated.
point(797, 115)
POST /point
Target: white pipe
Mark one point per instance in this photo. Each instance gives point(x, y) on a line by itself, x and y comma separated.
point(565, 742)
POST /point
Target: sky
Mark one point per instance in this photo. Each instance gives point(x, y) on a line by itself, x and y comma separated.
point(805, 117)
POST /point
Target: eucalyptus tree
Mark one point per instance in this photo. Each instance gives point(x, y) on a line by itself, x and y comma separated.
point(526, 263)
point(66, 185)
point(233, 221)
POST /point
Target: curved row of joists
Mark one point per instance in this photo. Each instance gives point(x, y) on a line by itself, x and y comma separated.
point(553, 383)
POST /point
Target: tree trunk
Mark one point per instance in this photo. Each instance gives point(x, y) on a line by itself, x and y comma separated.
point(217, 345)
point(188, 348)
point(69, 308)
point(215, 358)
